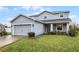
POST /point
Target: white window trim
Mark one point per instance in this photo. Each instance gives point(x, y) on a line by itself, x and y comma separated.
point(45, 17)
point(61, 14)
point(59, 30)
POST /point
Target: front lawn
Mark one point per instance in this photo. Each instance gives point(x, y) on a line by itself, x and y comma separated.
point(45, 43)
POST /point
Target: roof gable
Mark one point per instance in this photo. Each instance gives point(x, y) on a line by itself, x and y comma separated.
point(25, 17)
point(54, 12)
point(40, 14)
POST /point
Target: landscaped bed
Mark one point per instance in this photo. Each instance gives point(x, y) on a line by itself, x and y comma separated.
point(45, 43)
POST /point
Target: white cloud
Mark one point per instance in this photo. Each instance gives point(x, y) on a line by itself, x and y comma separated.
point(3, 8)
point(27, 14)
point(39, 8)
point(75, 19)
point(7, 21)
point(37, 13)
point(36, 8)
point(33, 8)
point(15, 9)
point(26, 7)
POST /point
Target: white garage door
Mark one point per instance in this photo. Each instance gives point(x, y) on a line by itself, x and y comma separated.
point(22, 29)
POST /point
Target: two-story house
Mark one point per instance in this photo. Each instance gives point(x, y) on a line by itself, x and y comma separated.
point(41, 23)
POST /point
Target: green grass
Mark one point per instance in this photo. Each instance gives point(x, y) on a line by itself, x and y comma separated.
point(45, 43)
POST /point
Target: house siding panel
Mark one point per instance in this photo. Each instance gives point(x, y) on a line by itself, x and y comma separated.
point(52, 16)
point(38, 28)
point(22, 20)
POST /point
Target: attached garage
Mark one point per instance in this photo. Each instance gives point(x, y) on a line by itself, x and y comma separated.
point(22, 29)
point(21, 25)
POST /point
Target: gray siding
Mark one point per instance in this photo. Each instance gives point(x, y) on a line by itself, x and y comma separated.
point(51, 16)
point(38, 28)
point(22, 20)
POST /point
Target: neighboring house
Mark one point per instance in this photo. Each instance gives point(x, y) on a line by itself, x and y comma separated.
point(2, 28)
point(41, 23)
point(8, 29)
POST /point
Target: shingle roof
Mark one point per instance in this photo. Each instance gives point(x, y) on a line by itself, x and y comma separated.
point(54, 12)
point(25, 17)
point(67, 19)
point(56, 20)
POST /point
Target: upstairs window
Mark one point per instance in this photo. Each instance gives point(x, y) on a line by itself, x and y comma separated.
point(45, 17)
point(61, 15)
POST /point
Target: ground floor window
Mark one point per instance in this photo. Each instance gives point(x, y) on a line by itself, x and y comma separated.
point(59, 27)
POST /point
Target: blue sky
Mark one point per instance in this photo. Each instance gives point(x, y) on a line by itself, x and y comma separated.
point(7, 13)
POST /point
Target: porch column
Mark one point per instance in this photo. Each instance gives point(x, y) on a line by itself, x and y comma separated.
point(67, 27)
point(51, 27)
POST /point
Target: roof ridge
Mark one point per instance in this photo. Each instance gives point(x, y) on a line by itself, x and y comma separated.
point(53, 12)
point(26, 17)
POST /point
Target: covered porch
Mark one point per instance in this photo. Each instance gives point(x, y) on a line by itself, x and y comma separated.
point(56, 27)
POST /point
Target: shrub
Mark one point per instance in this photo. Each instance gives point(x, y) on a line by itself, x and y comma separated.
point(31, 34)
point(8, 33)
point(0, 33)
point(55, 33)
point(60, 33)
point(78, 29)
point(72, 30)
point(4, 33)
point(50, 33)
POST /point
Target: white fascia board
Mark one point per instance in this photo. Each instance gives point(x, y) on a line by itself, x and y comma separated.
point(23, 24)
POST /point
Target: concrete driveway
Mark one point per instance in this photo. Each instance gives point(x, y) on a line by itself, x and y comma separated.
point(8, 39)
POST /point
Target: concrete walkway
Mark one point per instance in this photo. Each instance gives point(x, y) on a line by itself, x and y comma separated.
point(8, 39)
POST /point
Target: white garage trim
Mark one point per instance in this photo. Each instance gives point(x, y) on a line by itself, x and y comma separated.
point(22, 29)
point(23, 24)
point(26, 24)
